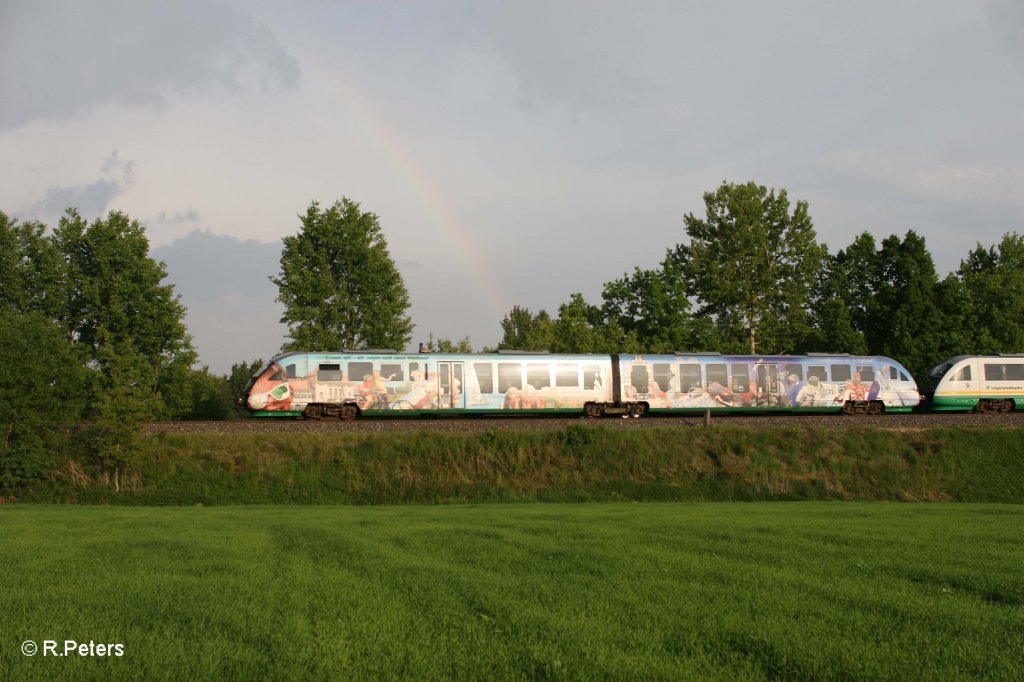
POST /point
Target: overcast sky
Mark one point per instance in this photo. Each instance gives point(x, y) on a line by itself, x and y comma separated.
point(515, 152)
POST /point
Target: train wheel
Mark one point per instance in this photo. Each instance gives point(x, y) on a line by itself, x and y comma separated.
point(636, 410)
point(313, 412)
point(876, 407)
point(1006, 406)
point(593, 410)
point(849, 407)
point(348, 412)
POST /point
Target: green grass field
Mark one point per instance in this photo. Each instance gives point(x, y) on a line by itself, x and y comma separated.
point(571, 591)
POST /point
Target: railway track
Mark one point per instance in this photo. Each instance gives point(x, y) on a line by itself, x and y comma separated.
point(393, 425)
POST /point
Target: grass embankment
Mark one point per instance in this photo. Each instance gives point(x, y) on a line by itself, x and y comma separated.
point(583, 463)
point(592, 591)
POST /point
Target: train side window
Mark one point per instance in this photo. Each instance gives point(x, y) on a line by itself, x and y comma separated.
point(289, 371)
point(689, 377)
point(328, 373)
point(663, 376)
point(904, 377)
point(866, 372)
point(796, 369)
point(484, 376)
point(510, 375)
point(567, 376)
point(817, 371)
point(717, 373)
point(1015, 372)
point(538, 376)
point(740, 378)
point(591, 377)
point(358, 371)
point(893, 373)
point(995, 372)
point(963, 374)
point(392, 372)
point(841, 373)
point(639, 378)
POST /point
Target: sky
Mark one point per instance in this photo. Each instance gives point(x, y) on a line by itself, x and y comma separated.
point(514, 152)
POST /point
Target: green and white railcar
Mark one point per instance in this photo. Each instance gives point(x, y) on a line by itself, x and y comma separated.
point(984, 383)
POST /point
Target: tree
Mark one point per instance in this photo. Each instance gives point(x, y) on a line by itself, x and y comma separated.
point(908, 323)
point(98, 284)
point(445, 345)
point(238, 379)
point(338, 284)
point(992, 280)
point(41, 386)
point(525, 331)
point(844, 314)
point(30, 268)
point(752, 263)
point(653, 307)
point(580, 328)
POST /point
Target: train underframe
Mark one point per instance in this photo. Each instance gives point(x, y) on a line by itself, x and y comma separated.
point(351, 410)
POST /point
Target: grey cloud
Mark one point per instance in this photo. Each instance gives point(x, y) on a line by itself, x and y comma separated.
point(1007, 18)
point(576, 53)
point(224, 284)
point(188, 216)
point(91, 198)
point(61, 57)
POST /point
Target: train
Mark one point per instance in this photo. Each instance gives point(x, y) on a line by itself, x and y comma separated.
point(980, 383)
point(349, 384)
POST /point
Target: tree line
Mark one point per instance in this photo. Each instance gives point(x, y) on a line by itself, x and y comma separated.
point(91, 334)
point(752, 278)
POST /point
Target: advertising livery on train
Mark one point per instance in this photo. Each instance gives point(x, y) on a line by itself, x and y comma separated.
point(352, 383)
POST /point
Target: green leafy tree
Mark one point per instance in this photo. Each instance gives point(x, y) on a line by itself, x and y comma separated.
point(113, 289)
point(205, 396)
point(338, 284)
point(752, 263)
point(238, 379)
point(844, 312)
point(30, 268)
point(580, 328)
point(522, 330)
point(125, 398)
point(908, 323)
point(41, 386)
point(653, 308)
point(992, 280)
point(445, 345)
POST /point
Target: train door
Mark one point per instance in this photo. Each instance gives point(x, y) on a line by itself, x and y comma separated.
point(450, 393)
point(768, 384)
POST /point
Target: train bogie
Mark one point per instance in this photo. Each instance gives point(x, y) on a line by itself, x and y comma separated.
point(984, 383)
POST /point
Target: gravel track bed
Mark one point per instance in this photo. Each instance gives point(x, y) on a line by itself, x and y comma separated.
point(906, 422)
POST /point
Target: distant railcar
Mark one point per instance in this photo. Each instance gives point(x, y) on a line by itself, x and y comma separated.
point(348, 384)
point(983, 383)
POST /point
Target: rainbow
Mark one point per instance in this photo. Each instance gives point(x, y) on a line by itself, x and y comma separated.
point(414, 176)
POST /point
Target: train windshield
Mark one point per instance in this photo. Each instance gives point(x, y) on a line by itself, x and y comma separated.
point(939, 370)
point(256, 375)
